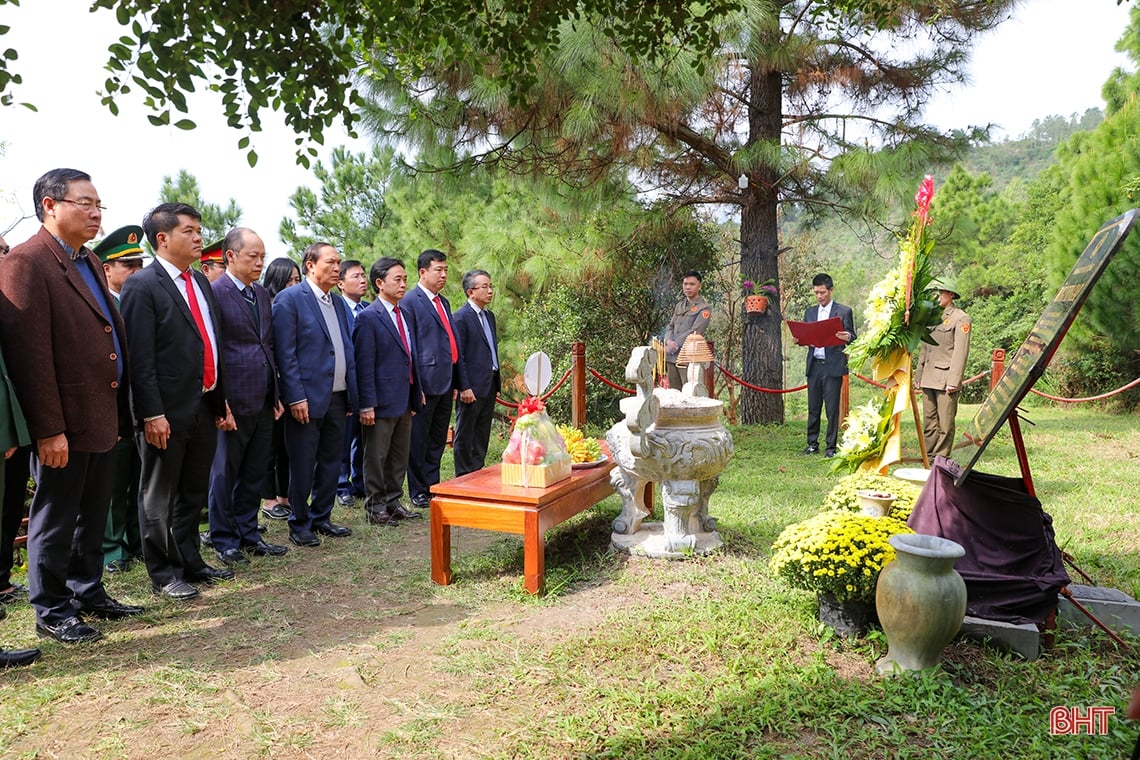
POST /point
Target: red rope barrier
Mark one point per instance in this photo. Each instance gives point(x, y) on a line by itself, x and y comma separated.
point(738, 381)
point(615, 386)
point(502, 402)
point(869, 380)
point(1102, 396)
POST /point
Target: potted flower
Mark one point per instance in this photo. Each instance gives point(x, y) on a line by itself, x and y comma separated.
point(838, 554)
point(756, 297)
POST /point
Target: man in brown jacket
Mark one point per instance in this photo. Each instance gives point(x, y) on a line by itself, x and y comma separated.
point(65, 343)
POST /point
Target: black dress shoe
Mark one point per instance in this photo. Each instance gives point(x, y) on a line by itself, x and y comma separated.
point(117, 566)
point(345, 500)
point(17, 658)
point(16, 593)
point(204, 537)
point(829, 453)
point(70, 631)
point(402, 513)
point(277, 512)
point(811, 450)
point(304, 538)
point(382, 518)
point(262, 549)
point(231, 557)
point(210, 575)
point(421, 501)
point(112, 609)
point(179, 591)
point(332, 529)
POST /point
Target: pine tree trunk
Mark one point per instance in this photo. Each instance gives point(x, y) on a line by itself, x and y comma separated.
point(761, 348)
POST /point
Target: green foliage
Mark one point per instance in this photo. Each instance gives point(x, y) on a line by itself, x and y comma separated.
point(216, 220)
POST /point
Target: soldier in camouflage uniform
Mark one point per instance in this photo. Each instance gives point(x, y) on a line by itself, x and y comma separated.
point(940, 370)
point(690, 316)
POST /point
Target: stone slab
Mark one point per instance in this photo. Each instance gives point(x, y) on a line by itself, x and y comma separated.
point(1023, 639)
point(650, 542)
point(1113, 607)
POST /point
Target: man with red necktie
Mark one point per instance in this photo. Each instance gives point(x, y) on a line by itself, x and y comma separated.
point(179, 398)
point(441, 373)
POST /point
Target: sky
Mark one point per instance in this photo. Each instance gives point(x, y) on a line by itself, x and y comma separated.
point(1052, 57)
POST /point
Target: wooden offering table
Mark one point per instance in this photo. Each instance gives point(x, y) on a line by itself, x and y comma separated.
point(480, 500)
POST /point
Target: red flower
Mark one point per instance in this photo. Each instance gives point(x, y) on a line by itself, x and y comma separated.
point(531, 404)
point(923, 197)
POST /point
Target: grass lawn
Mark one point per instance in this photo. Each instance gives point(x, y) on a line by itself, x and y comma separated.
point(349, 650)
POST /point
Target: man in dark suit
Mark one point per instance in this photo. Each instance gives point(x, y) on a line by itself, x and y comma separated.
point(826, 366)
point(353, 286)
point(59, 323)
point(179, 398)
point(479, 355)
point(241, 463)
point(389, 393)
point(437, 358)
point(318, 386)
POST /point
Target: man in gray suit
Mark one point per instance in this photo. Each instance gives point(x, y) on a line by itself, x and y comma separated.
point(826, 366)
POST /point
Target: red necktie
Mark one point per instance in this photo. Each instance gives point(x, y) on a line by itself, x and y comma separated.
point(208, 376)
point(447, 326)
point(403, 339)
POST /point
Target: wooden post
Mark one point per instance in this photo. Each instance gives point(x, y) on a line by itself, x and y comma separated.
point(578, 383)
point(997, 366)
point(844, 399)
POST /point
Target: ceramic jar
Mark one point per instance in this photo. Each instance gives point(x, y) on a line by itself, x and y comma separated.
point(921, 601)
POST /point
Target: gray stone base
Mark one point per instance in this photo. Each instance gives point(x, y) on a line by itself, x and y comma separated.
point(1023, 639)
point(650, 542)
point(1114, 608)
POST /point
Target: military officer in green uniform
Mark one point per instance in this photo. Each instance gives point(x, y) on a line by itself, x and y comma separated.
point(122, 255)
point(13, 433)
point(940, 370)
point(690, 316)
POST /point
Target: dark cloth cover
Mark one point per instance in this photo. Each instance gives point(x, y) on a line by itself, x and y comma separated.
point(1012, 567)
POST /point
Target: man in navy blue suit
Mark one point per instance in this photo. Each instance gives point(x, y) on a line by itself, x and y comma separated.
point(241, 462)
point(353, 286)
point(441, 373)
point(318, 386)
point(479, 355)
point(389, 393)
point(826, 366)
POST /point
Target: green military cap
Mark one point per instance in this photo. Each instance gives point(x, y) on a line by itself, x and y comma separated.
point(212, 254)
point(947, 284)
point(124, 244)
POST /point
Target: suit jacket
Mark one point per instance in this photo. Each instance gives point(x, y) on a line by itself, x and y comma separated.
point(382, 365)
point(305, 356)
point(835, 357)
point(944, 364)
point(60, 346)
point(433, 350)
point(246, 346)
point(474, 352)
point(166, 350)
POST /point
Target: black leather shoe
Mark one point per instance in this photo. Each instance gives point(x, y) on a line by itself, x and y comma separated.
point(402, 513)
point(811, 450)
point(16, 593)
point(112, 609)
point(204, 537)
point(17, 658)
point(830, 453)
point(277, 512)
point(210, 575)
point(117, 566)
point(231, 557)
point(332, 529)
point(70, 631)
point(179, 591)
point(345, 500)
point(304, 538)
point(382, 518)
point(262, 549)
point(421, 502)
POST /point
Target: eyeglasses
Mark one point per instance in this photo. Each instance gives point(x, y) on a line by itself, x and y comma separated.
point(84, 204)
point(486, 286)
